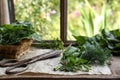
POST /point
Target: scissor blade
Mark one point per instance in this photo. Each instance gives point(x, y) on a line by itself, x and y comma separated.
point(16, 69)
point(45, 56)
point(8, 62)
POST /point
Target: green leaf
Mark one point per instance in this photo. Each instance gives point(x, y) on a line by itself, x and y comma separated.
point(81, 39)
point(15, 32)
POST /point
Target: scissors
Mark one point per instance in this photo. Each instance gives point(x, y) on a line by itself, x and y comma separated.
point(14, 64)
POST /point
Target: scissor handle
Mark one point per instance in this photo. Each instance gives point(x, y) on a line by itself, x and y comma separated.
point(8, 62)
point(16, 69)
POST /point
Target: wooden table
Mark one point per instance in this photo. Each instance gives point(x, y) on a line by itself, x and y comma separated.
point(115, 68)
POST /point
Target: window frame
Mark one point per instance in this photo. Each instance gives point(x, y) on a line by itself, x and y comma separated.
point(63, 21)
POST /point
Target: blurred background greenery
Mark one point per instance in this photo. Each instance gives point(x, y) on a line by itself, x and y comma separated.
point(85, 17)
point(44, 14)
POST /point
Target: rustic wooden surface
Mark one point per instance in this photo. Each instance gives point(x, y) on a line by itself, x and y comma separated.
point(115, 68)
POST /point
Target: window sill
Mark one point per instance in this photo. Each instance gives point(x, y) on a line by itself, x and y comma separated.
point(115, 68)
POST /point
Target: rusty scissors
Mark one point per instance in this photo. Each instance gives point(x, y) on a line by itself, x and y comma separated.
point(14, 64)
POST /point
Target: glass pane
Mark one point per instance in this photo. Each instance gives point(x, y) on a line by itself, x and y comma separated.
point(44, 14)
point(89, 17)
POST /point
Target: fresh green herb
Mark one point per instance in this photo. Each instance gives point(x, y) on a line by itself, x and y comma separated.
point(15, 32)
point(112, 39)
point(90, 50)
point(55, 44)
point(72, 61)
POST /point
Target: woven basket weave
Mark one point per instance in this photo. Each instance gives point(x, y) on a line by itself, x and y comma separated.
point(15, 51)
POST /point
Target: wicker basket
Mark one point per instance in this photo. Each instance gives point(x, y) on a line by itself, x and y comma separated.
point(15, 51)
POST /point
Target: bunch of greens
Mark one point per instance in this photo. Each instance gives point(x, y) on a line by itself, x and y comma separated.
point(72, 61)
point(15, 32)
point(90, 50)
point(54, 44)
point(112, 40)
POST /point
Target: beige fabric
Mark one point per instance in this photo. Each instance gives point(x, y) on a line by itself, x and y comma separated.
point(47, 66)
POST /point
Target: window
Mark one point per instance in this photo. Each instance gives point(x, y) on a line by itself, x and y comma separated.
point(44, 14)
point(62, 15)
point(73, 21)
point(89, 17)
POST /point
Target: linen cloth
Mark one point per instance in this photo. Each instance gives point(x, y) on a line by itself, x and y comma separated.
point(47, 66)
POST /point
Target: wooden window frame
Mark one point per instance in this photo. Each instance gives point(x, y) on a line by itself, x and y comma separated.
point(63, 20)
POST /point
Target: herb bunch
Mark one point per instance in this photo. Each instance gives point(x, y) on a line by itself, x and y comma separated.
point(90, 50)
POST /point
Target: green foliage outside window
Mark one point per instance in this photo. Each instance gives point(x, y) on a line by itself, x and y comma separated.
point(45, 14)
point(89, 17)
point(85, 17)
